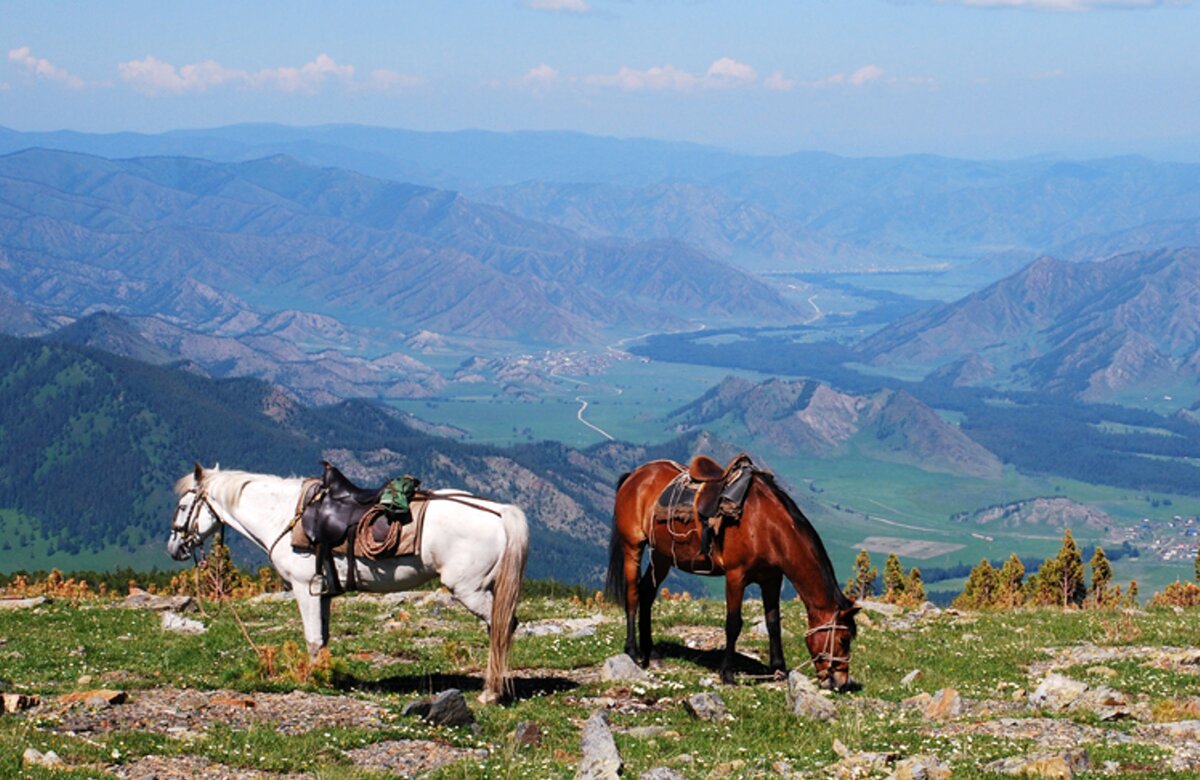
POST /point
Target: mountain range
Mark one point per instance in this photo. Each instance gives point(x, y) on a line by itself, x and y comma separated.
point(1090, 330)
point(79, 232)
point(806, 417)
point(804, 211)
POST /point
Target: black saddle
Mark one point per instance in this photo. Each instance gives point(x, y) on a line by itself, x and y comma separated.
point(332, 518)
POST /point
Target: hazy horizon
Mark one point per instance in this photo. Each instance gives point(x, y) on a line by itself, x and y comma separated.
point(975, 79)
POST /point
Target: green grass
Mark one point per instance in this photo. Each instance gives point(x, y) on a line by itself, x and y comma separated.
point(984, 656)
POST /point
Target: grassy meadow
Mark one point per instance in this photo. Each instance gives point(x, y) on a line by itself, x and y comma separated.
point(387, 654)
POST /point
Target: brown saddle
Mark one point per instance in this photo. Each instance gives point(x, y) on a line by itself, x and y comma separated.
point(707, 493)
point(332, 515)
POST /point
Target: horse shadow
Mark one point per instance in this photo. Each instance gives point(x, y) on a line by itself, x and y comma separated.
point(710, 659)
point(434, 683)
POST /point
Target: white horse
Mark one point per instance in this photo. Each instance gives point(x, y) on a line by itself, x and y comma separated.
point(477, 547)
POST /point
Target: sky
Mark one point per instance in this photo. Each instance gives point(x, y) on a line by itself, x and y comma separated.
point(983, 79)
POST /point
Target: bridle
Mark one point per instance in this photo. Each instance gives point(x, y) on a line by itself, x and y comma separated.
point(832, 627)
point(189, 529)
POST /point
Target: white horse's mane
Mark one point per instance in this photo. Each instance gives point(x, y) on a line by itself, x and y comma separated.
point(227, 486)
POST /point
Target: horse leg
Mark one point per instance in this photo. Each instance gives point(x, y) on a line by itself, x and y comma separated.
point(735, 588)
point(633, 559)
point(771, 585)
point(656, 572)
point(314, 616)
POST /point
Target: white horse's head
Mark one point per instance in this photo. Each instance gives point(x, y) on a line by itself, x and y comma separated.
point(195, 519)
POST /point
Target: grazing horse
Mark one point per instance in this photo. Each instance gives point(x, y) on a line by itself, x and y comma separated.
point(772, 540)
point(477, 547)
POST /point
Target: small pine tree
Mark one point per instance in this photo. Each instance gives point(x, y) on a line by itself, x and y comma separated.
point(1071, 583)
point(1009, 587)
point(1131, 598)
point(1101, 578)
point(979, 592)
point(914, 590)
point(893, 580)
point(862, 584)
point(1197, 564)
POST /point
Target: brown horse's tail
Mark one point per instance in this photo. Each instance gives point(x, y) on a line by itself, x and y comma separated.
point(614, 580)
point(506, 589)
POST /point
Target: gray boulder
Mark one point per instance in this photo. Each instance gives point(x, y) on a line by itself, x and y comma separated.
point(621, 668)
point(706, 706)
point(449, 708)
point(600, 760)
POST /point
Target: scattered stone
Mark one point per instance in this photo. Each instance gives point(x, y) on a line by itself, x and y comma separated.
point(1057, 692)
point(910, 678)
point(7, 603)
point(449, 708)
point(417, 709)
point(172, 621)
point(813, 706)
point(600, 760)
point(98, 698)
point(16, 702)
point(574, 628)
point(275, 596)
point(140, 599)
point(946, 704)
point(47, 760)
point(621, 667)
point(1049, 733)
point(409, 757)
point(855, 765)
point(661, 773)
point(729, 768)
point(706, 706)
point(920, 701)
point(528, 733)
point(882, 607)
point(921, 768)
point(1057, 766)
point(84, 680)
point(1103, 671)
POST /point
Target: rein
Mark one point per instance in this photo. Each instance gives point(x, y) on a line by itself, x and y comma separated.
point(827, 654)
point(190, 527)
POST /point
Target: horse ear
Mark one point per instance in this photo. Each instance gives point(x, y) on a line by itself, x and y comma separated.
point(198, 474)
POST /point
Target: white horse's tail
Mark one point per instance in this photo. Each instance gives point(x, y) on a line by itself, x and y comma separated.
point(506, 589)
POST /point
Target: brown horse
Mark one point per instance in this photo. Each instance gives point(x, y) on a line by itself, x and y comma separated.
point(772, 540)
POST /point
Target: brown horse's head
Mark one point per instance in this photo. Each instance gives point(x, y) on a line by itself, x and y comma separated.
point(829, 646)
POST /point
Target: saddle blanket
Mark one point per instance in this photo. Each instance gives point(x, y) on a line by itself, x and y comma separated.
point(378, 525)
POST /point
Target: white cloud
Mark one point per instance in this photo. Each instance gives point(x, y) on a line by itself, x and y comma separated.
point(724, 72)
point(727, 72)
point(861, 77)
point(777, 82)
point(540, 76)
point(1065, 5)
point(43, 68)
point(559, 6)
point(153, 76)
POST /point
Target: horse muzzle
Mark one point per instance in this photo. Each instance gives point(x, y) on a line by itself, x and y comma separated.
point(178, 547)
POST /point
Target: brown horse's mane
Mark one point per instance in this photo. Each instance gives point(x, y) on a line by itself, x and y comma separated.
point(805, 527)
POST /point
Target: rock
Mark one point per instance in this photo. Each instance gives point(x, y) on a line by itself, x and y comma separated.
point(279, 595)
point(855, 765)
point(946, 704)
point(798, 682)
point(921, 768)
point(621, 667)
point(882, 607)
point(813, 706)
point(6, 603)
point(662, 773)
point(418, 708)
point(1057, 692)
point(449, 708)
point(172, 621)
point(99, 698)
point(528, 733)
point(574, 628)
point(48, 760)
point(1057, 766)
point(16, 702)
point(140, 599)
point(84, 680)
point(706, 706)
point(1103, 671)
point(600, 760)
point(910, 678)
point(919, 701)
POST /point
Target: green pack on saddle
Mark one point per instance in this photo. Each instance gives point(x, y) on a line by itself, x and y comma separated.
point(398, 493)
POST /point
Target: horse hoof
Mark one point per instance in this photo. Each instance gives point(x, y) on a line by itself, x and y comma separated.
point(727, 678)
